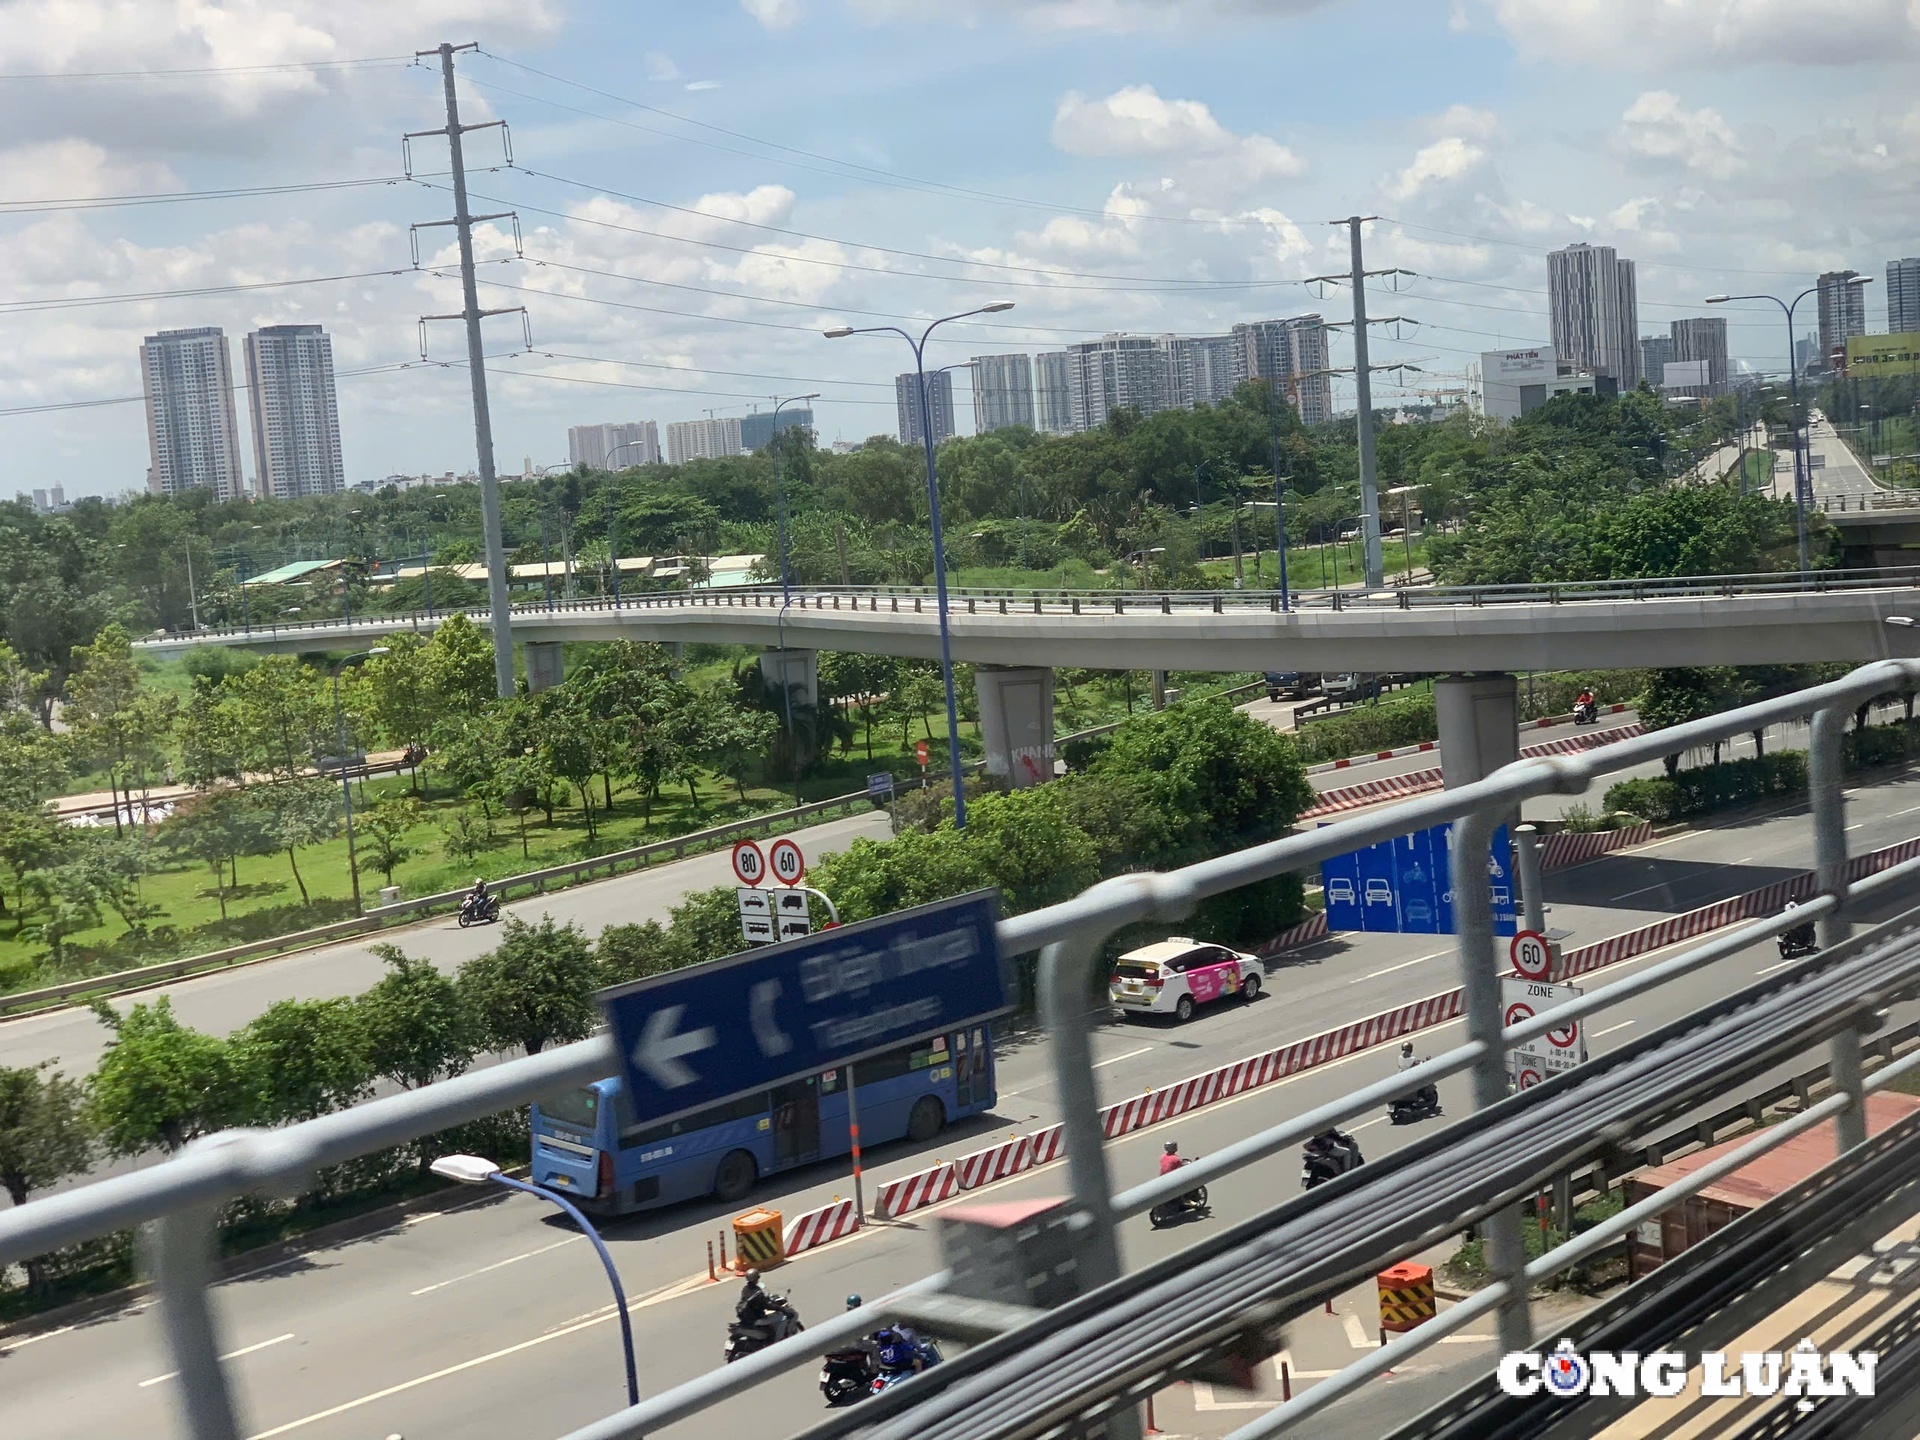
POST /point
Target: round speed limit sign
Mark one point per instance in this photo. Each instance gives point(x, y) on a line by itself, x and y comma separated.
point(789, 865)
point(1530, 955)
point(748, 863)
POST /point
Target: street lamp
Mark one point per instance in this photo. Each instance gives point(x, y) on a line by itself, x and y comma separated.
point(1802, 480)
point(613, 533)
point(346, 779)
point(780, 499)
point(933, 512)
point(473, 1170)
point(1406, 523)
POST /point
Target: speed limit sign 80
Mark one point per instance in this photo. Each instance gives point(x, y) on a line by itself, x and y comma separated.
point(749, 865)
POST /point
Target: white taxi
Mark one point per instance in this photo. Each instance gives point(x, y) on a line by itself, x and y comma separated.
point(1178, 975)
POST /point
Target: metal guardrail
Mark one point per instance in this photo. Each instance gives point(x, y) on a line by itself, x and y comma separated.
point(180, 1198)
point(918, 600)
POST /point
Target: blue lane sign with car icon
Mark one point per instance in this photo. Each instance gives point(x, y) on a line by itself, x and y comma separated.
point(1404, 886)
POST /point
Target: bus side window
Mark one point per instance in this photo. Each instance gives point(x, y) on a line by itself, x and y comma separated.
point(979, 1051)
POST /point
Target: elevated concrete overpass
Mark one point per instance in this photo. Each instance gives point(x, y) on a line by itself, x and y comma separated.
point(1733, 620)
point(1474, 638)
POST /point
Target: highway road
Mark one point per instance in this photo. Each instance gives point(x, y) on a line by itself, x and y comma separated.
point(491, 1320)
point(228, 999)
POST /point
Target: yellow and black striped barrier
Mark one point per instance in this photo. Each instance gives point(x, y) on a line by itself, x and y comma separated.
point(1406, 1296)
point(757, 1240)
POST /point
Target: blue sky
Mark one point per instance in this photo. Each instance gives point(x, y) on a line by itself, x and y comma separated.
point(1147, 165)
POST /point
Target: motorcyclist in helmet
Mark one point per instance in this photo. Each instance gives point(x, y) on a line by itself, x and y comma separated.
point(1170, 1160)
point(1407, 1060)
point(754, 1303)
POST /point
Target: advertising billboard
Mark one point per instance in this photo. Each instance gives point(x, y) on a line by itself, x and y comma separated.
point(1871, 356)
point(1504, 372)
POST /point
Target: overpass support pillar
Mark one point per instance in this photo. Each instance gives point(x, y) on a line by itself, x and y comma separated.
point(546, 665)
point(796, 672)
point(1016, 724)
point(1159, 689)
point(1479, 719)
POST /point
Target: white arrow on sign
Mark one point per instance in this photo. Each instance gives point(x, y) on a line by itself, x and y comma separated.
point(659, 1051)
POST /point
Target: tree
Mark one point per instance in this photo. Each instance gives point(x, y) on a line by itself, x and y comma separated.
point(384, 827)
point(400, 696)
point(43, 1131)
point(629, 952)
point(301, 1058)
point(114, 715)
point(1676, 696)
point(216, 829)
point(416, 1027)
point(457, 666)
point(300, 812)
point(285, 718)
point(160, 1083)
point(110, 868)
point(213, 740)
point(535, 989)
point(734, 739)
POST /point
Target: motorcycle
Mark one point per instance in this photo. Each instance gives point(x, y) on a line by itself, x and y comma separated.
point(1586, 712)
point(897, 1357)
point(1411, 1109)
point(479, 910)
point(779, 1321)
point(1328, 1159)
point(847, 1376)
point(1798, 941)
point(1193, 1203)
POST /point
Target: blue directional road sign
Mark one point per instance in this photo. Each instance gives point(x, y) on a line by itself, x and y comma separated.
point(880, 786)
point(710, 1033)
point(1405, 885)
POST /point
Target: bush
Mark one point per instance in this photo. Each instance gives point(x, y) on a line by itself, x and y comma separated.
point(1712, 787)
point(1385, 726)
point(1878, 745)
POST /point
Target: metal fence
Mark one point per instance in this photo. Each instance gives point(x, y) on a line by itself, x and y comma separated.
point(179, 1200)
point(1003, 601)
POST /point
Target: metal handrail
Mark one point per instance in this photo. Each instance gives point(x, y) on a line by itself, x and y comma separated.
point(183, 1194)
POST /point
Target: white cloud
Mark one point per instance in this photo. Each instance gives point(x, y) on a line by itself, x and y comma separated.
point(1135, 123)
point(1466, 122)
point(1445, 160)
point(1113, 16)
point(774, 14)
point(695, 86)
point(1657, 127)
point(1654, 34)
point(660, 66)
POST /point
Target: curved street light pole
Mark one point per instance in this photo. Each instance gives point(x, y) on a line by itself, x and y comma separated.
point(933, 512)
point(1802, 466)
point(780, 500)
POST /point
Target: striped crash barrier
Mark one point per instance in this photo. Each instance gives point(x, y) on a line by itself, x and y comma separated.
point(817, 1227)
point(1567, 847)
point(996, 1162)
point(1305, 933)
point(916, 1191)
point(1421, 782)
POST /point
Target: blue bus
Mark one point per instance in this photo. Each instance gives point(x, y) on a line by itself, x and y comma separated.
point(587, 1144)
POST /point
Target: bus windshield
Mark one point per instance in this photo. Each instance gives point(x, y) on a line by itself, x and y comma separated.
point(579, 1108)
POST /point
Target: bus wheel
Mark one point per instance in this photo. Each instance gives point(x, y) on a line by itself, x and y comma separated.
point(927, 1119)
point(735, 1176)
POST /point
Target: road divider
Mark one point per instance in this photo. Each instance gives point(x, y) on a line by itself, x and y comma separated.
point(996, 1162)
point(1425, 746)
point(1152, 1107)
point(817, 1227)
point(1421, 782)
point(1575, 847)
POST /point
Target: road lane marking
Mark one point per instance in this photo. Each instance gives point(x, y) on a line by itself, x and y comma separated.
point(1377, 1120)
point(1102, 1064)
point(1357, 1335)
point(526, 1255)
point(230, 1355)
point(1629, 894)
point(7, 1347)
point(1403, 965)
point(1908, 811)
point(669, 1292)
point(1595, 1035)
point(1781, 966)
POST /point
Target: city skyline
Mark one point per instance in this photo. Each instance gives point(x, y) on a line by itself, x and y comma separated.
point(295, 412)
point(1138, 174)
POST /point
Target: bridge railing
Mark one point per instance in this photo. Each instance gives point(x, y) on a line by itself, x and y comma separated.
point(969, 601)
point(180, 1198)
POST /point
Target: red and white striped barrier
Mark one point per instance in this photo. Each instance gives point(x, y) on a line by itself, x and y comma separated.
point(1305, 933)
point(996, 1162)
point(1378, 755)
point(1422, 782)
point(1049, 1145)
point(916, 1191)
point(1372, 792)
point(817, 1227)
point(1573, 848)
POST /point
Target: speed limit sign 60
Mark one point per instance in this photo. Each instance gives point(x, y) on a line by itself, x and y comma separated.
point(789, 865)
point(748, 863)
point(1530, 955)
